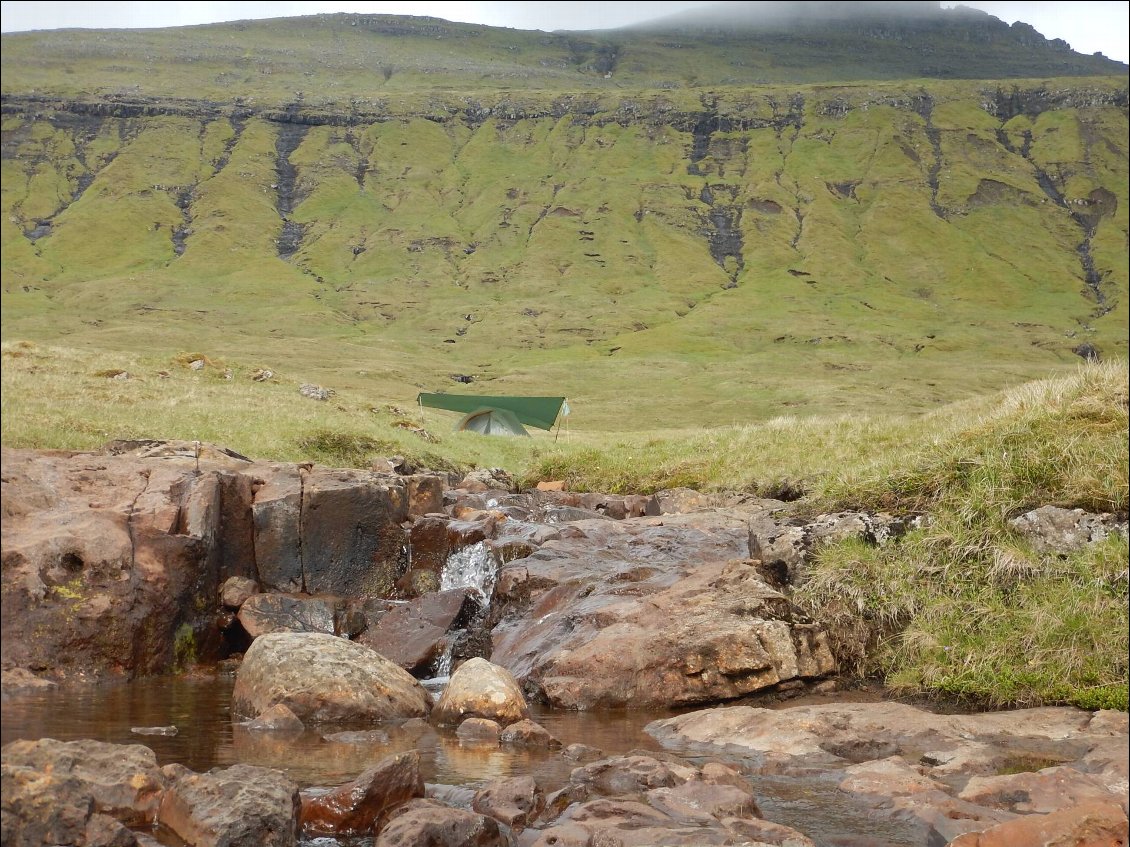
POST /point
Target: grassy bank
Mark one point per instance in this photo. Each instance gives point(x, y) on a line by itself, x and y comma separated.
point(963, 606)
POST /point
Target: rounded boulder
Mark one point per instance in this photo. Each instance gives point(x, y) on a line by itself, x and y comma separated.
point(480, 689)
point(324, 678)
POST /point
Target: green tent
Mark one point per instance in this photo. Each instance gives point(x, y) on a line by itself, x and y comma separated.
point(540, 412)
point(492, 422)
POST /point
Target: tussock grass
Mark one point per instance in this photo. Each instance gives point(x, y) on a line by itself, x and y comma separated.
point(965, 606)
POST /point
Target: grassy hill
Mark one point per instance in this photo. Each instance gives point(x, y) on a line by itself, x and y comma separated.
point(718, 226)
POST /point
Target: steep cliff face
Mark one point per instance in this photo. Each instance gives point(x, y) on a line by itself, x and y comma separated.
point(804, 242)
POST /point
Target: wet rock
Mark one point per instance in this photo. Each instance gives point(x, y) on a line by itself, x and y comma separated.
point(106, 559)
point(45, 808)
point(425, 494)
point(15, 681)
point(362, 806)
point(278, 718)
point(425, 822)
point(481, 689)
point(276, 513)
point(415, 634)
point(154, 730)
point(915, 788)
point(480, 730)
point(263, 613)
point(528, 734)
point(767, 832)
point(324, 678)
point(240, 806)
point(1095, 825)
point(582, 753)
point(645, 615)
point(122, 781)
point(515, 802)
point(695, 800)
point(611, 820)
point(351, 520)
point(236, 590)
point(1048, 790)
point(633, 774)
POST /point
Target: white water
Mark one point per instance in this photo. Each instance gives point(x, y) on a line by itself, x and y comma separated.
point(471, 567)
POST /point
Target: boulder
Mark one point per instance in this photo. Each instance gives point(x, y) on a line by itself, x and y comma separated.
point(644, 615)
point(122, 781)
point(1093, 825)
point(263, 613)
point(240, 806)
point(236, 590)
point(481, 689)
point(278, 718)
point(361, 807)
point(320, 677)
point(479, 731)
point(415, 634)
point(529, 734)
point(515, 802)
point(425, 823)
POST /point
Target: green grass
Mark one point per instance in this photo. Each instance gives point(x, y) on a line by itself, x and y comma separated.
point(487, 203)
point(580, 248)
point(965, 606)
point(962, 607)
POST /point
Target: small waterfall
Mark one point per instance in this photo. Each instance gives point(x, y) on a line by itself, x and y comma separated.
point(443, 664)
point(471, 567)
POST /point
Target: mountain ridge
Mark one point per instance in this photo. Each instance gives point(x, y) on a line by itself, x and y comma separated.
point(798, 246)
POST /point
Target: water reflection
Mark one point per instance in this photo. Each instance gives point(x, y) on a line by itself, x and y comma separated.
point(326, 756)
point(207, 738)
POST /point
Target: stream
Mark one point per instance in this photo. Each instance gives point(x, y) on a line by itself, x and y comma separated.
point(199, 708)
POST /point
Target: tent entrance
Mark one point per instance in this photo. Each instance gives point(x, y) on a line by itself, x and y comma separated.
point(492, 422)
point(498, 415)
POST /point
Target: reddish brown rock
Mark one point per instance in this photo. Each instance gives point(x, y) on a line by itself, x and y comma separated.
point(278, 718)
point(119, 780)
point(236, 590)
point(479, 730)
point(1090, 825)
point(633, 774)
point(240, 806)
point(415, 634)
point(425, 494)
point(107, 559)
point(362, 806)
point(1049, 790)
point(481, 689)
point(263, 613)
point(321, 677)
point(528, 734)
point(515, 802)
point(425, 823)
